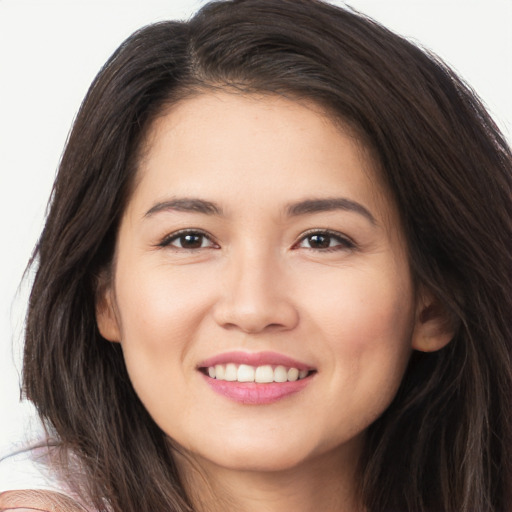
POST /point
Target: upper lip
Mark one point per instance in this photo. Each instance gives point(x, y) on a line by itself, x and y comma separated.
point(254, 359)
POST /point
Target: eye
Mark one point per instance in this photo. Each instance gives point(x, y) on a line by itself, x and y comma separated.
point(325, 241)
point(188, 239)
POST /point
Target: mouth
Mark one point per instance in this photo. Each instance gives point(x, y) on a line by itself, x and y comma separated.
point(255, 379)
point(264, 374)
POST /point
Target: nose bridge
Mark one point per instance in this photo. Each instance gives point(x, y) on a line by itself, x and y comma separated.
point(256, 273)
point(255, 295)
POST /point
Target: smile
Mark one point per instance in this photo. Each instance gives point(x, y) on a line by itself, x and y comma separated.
point(261, 374)
point(255, 378)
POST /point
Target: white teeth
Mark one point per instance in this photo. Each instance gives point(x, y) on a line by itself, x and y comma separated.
point(261, 374)
point(231, 372)
point(264, 374)
point(220, 371)
point(280, 374)
point(245, 373)
point(293, 374)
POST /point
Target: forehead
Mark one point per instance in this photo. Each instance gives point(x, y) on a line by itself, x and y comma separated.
point(262, 148)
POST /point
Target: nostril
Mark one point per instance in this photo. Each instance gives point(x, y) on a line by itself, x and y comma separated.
point(253, 322)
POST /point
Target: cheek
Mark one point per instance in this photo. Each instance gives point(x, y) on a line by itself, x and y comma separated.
point(159, 312)
point(368, 304)
point(366, 322)
point(158, 307)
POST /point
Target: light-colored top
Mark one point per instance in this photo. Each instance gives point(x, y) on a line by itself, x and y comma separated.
point(27, 481)
point(26, 467)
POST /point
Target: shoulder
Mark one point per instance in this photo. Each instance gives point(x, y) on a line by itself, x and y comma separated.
point(28, 482)
point(26, 466)
point(38, 500)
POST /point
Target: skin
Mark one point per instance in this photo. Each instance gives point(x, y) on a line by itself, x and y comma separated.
point(256, 282)
point(37, 500)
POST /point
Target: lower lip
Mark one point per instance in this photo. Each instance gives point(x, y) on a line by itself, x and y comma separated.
point(251, 393)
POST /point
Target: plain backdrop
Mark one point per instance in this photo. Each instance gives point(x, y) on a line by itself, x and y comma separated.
point(51, 50)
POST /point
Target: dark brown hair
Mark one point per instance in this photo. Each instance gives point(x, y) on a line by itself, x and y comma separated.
point(445, 443)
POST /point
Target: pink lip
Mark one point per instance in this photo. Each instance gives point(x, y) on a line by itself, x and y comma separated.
point(252, 393)
point(254, 359)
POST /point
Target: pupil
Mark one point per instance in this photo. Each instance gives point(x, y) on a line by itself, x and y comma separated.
point(191, 241)
point(319, 241)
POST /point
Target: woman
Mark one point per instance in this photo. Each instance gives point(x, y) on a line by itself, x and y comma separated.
point(275, 274)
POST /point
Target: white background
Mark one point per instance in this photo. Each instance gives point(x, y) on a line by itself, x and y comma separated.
point(51, 50)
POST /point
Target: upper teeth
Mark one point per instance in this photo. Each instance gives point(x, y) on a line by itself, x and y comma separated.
point(245, 373)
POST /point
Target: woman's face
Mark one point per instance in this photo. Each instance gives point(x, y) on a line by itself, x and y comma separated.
point(259, 245)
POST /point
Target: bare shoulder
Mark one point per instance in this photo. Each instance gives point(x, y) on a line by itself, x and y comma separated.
point(36, 500)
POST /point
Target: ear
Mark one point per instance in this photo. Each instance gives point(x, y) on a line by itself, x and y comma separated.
point(434, 327)
point(106, 317)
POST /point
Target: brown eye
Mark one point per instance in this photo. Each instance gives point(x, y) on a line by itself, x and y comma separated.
point(187, 240)
point(325, 240)
point(319, 241)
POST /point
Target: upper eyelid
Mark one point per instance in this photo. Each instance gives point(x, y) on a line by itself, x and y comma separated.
point(167, 239)
point(330, 232)
point(346, 243)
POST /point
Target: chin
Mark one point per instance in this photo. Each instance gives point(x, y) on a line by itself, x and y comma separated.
point(258, 460)
point(267, 454)
point(246, 452)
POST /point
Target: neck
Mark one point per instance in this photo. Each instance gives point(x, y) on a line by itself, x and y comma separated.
point(327, 482)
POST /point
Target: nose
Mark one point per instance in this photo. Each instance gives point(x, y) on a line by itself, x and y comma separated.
point(255, 296)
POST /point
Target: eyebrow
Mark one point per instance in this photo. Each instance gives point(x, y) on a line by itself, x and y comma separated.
point(186, 205)
point(326, 205)
point(296, 209)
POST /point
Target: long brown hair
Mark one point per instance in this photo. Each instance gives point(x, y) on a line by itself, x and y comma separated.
point(445, 443)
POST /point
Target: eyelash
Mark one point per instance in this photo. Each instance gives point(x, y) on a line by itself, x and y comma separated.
point(343, 242)
point(167, 241)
